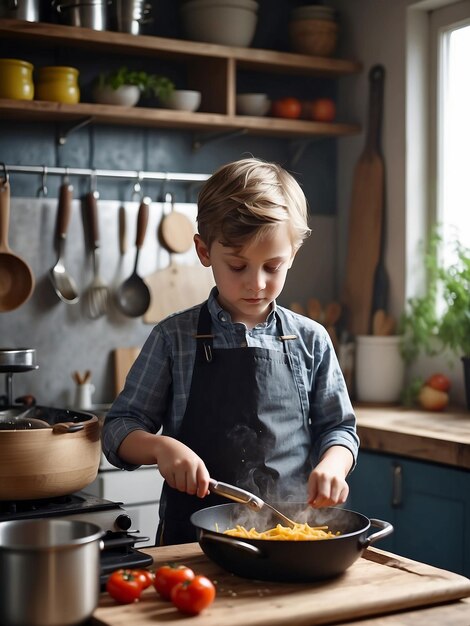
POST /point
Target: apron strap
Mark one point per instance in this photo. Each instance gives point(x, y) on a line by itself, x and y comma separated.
point(204, 337)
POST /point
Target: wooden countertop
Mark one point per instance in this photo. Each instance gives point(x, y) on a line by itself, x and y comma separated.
point(379, 589)
point(442, 437)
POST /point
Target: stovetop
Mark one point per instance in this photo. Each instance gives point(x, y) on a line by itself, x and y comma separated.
point(79, 502)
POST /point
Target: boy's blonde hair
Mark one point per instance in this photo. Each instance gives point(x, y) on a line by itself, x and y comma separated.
point(243, 200)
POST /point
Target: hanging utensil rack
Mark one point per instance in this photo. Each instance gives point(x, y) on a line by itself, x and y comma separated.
point(101, 173)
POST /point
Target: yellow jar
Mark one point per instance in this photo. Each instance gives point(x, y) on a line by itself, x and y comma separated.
point(57, 84)
point(16, 79)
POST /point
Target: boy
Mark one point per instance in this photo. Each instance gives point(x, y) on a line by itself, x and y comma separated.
point(245, 391)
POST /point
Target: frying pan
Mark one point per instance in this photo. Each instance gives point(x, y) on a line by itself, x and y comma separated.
point(286, 561)
point(16, 277)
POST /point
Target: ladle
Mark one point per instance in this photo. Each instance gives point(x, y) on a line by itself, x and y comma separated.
point(133, 296)
point(63, 283)
point(245, 497)
point(16, 277)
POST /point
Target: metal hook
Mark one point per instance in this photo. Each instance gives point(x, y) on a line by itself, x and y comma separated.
point(137, 191)
point(93, 185)
point(6, 175)
point(42, 191)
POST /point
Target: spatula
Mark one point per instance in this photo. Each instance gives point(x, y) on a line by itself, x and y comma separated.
point(245, 497)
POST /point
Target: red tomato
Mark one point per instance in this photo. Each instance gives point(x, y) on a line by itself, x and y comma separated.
point(323, 110)
point(287, 107)
point(193, 596)
point(124, 586)
point(439, 382)
point(145, 577)
point(167, 576)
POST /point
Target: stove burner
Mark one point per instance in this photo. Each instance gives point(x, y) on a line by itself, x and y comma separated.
point(50, 507)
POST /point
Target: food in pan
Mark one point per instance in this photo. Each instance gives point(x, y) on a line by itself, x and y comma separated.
point(301, 532)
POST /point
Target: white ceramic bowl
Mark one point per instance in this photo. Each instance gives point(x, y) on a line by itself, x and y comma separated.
point(126, 95)
point(183, 100)
point(229, 24)
point(256, 104)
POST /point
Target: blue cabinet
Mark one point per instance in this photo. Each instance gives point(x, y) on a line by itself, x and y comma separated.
point(428, 505)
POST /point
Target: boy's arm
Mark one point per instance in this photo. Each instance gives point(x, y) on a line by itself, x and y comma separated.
point(182, 468)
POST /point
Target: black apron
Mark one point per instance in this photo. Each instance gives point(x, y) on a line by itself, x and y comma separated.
point(244, 418)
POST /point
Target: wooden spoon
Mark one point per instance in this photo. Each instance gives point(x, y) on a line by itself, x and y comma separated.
point(314, 309)
point(16, 277)
point(383, 324)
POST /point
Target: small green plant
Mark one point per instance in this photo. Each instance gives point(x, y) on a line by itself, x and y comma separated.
point(149, 84)
point(425, 330)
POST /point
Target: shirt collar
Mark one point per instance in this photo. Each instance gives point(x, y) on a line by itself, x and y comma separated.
point(218, 313)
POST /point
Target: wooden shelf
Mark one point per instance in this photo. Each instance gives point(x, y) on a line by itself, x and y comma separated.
point(221, 63)
point(37, 110)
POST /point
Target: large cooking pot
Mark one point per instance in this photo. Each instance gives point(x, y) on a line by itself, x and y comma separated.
point(285, 561)
point(50, 571)
point(52, 461)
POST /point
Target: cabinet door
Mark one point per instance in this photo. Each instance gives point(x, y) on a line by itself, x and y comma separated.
point(434, 515)
point(371, 491)
point(428, 505)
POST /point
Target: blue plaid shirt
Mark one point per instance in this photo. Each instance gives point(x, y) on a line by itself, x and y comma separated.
point(158, 385)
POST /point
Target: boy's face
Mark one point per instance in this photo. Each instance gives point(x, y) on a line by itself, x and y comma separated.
point(250, 278)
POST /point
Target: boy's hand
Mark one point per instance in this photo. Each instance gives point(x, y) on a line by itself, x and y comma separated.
point(327, 484)
point(182, 468)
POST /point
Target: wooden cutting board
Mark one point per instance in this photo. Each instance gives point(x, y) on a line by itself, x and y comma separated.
point(375, 584)
point(175, 288)
point(365, 217)
point(123, 360)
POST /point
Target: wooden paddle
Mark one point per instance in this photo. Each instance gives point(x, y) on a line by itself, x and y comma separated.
point(365, 217)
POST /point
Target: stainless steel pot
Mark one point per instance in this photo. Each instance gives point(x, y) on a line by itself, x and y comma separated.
point(88, 14)
point(131, 14)
point(50, 570)
point(21, 9)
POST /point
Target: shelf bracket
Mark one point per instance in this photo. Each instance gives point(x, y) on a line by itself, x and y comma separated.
point(201, 140)
point(296, 149)
point(64, 133)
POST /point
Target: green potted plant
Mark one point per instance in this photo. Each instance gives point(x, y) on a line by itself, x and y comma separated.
point(124, 87)
point(427, 329)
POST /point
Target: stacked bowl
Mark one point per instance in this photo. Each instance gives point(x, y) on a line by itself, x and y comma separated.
point(226, 22)
point(313, 30)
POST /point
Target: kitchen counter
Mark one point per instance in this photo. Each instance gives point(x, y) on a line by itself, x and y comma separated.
point(379, 589)
point(442, 437)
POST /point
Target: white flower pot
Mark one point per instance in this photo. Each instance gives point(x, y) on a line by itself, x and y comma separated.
point(380, 369)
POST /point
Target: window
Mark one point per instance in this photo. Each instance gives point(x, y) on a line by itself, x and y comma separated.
point(450, 46)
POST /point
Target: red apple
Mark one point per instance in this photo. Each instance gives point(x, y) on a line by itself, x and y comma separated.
point(433, 399)
point(439, 382)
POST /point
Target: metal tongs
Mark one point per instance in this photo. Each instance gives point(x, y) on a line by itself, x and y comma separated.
point(245, 497)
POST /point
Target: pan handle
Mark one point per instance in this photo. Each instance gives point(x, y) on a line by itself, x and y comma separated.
point(233, 543)
point(68, 427)
point(386, 529)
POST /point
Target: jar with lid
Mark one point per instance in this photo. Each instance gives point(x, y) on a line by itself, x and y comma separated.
point(58, 84)
point(16, 79)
